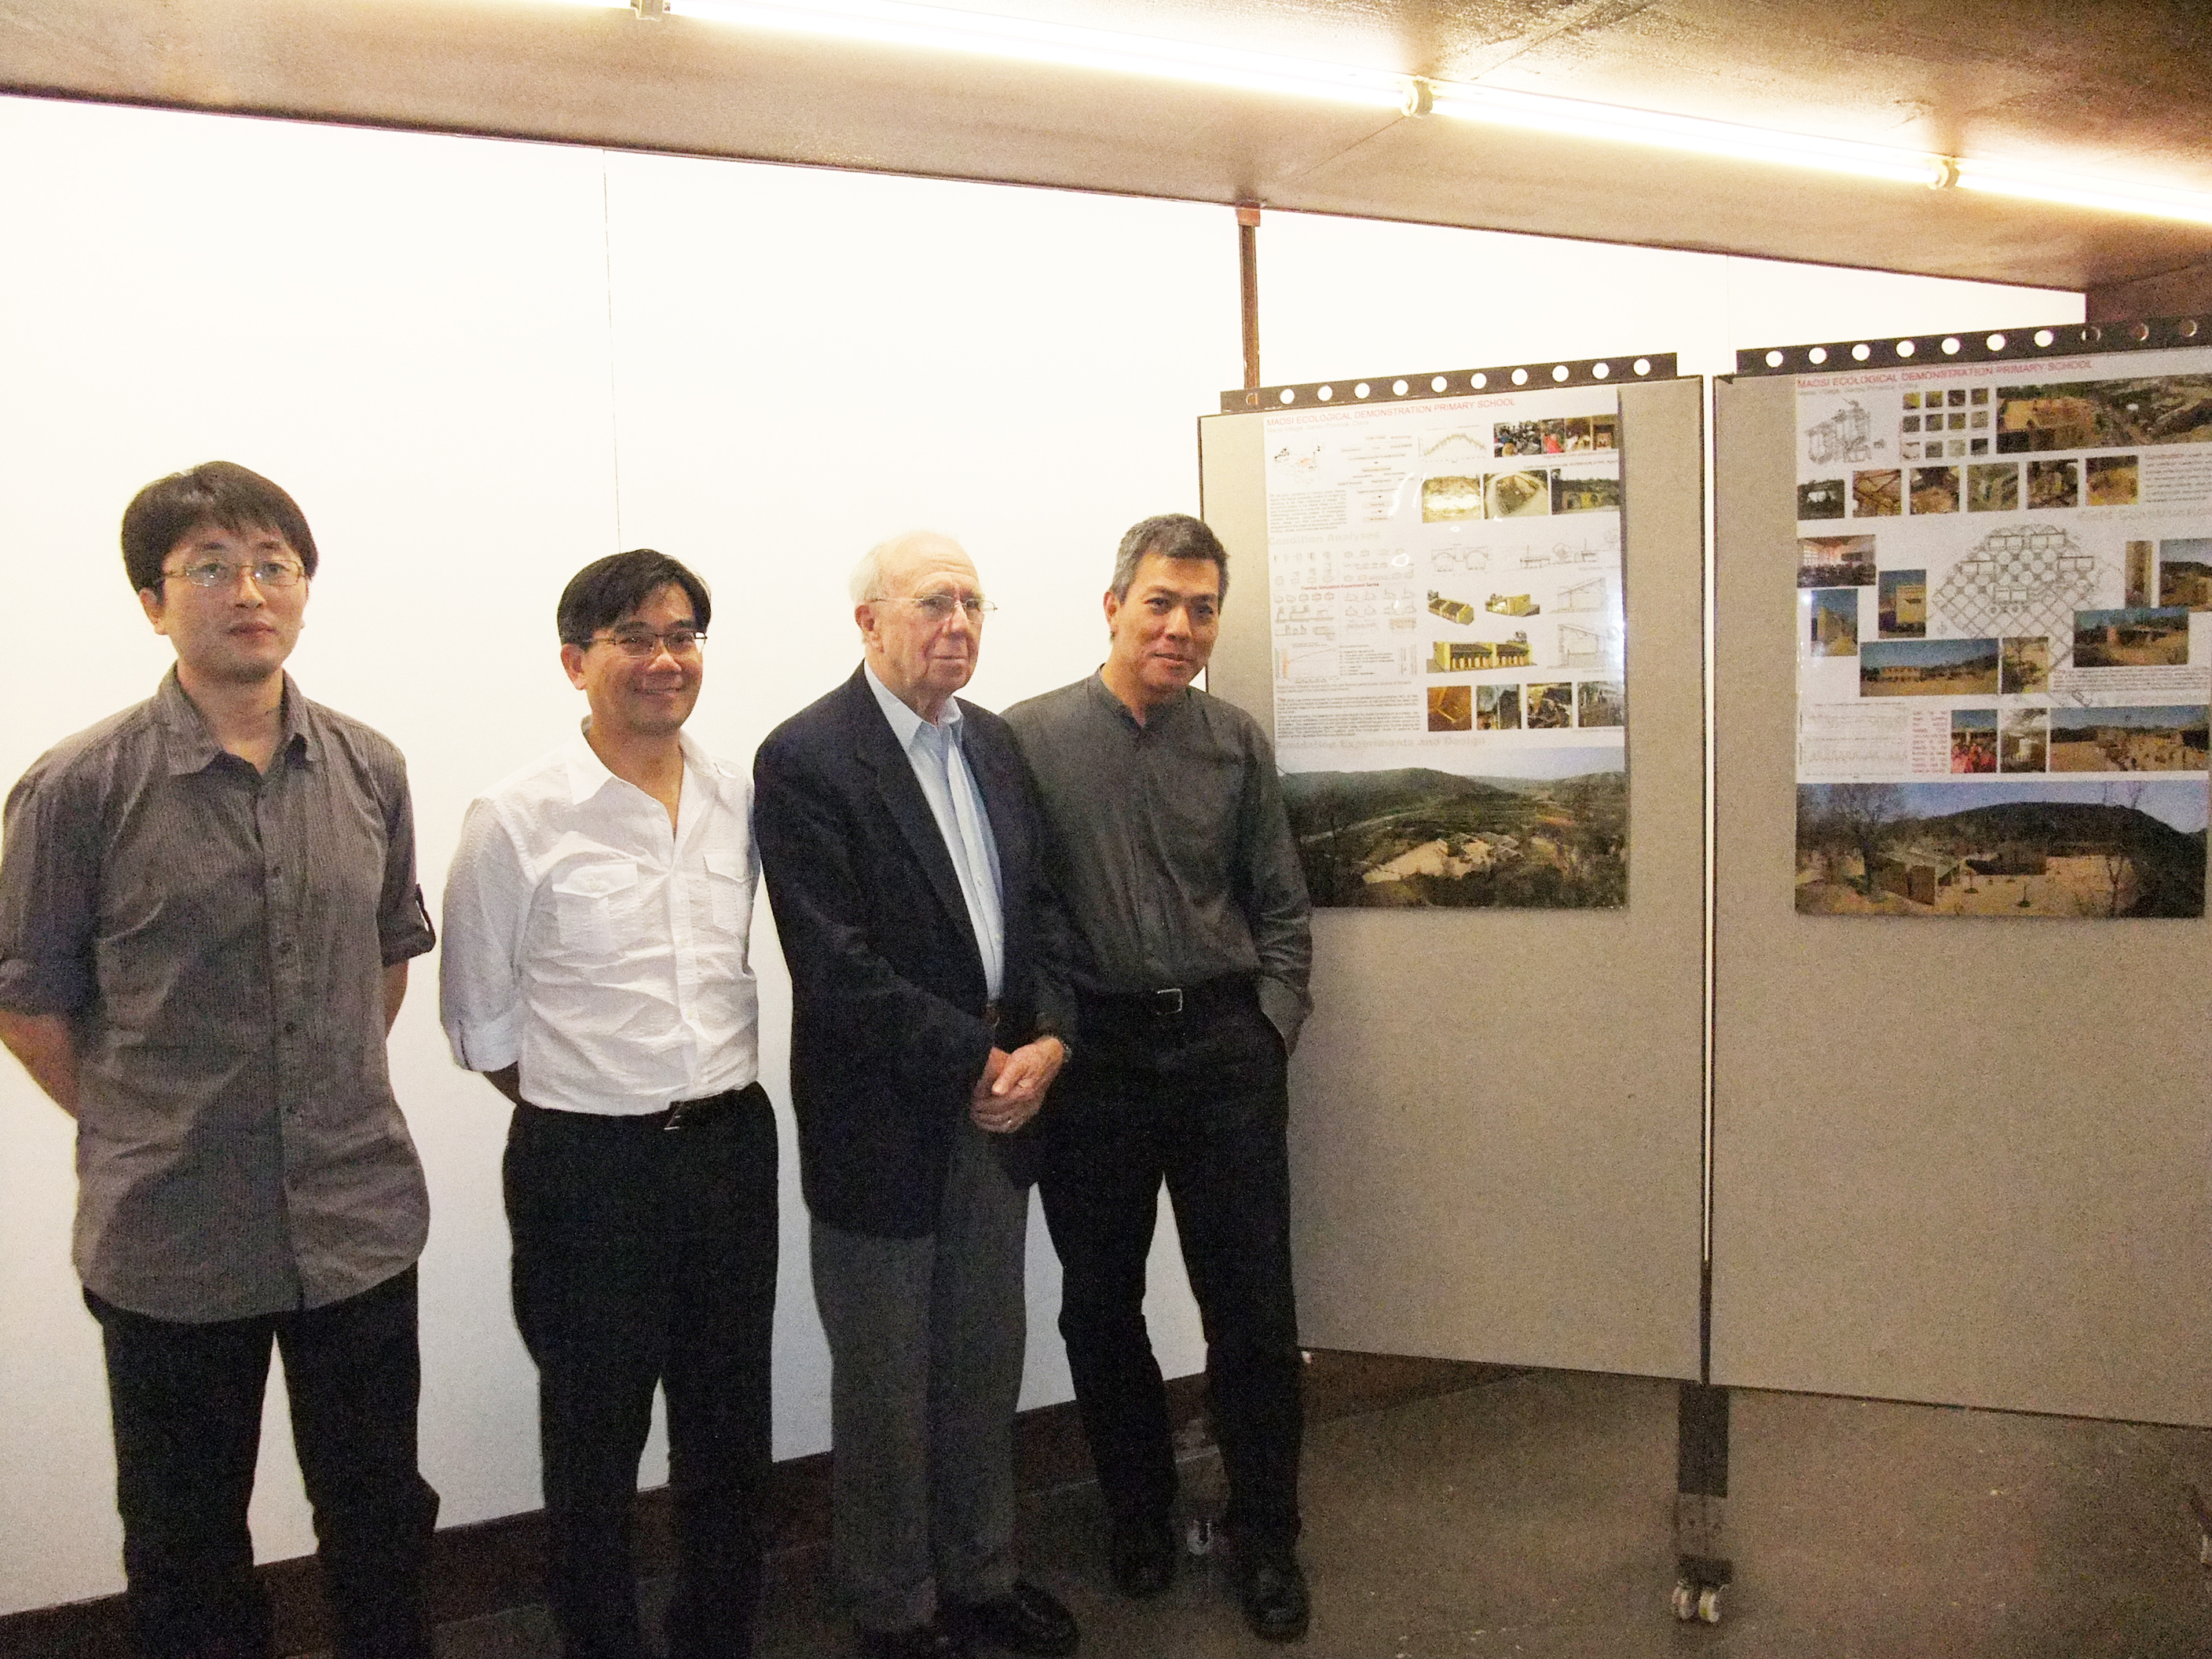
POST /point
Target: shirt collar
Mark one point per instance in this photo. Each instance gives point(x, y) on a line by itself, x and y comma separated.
point(1104, 698)
point(588, 773)
point(189, 746)
point(906, 725)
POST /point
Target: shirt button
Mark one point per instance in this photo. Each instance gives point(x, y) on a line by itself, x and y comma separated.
point(290, 1030)
point(284, 949)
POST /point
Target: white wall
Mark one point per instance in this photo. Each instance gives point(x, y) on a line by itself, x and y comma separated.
point(478, 365)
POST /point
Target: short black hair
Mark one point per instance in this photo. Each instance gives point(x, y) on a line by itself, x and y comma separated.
point(221, 493)
point(606, 590)
point(1172, 536)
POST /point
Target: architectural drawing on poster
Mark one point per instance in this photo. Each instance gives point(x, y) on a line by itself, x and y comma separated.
point(1449, 682)
point(2003, 661)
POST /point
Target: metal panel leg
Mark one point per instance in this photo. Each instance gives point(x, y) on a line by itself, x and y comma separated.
point(1702, 1568)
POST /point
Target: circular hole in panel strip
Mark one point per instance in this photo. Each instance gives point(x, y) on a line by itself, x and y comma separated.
point(1561, 371)
point(2044, 336)
point(1599, 371)
point(1818, 354)
point(1361, 390)
point(1860, 352)
point(1905, 347)
point(1950, 345)
point(1995, 342)
point(1642, 365)
point(1290, 395)
point(2140, 331)
point(1438, 384)
point(2090, 336)
point(1399, 388)
point(1774, 360)
point(2186, 328)
point(1326, 393)
point(1520, 377)
point(1478, 381)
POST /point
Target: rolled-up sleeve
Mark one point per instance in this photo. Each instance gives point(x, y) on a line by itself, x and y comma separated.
point(402, 920)
point(486, 909)
point(49, 897)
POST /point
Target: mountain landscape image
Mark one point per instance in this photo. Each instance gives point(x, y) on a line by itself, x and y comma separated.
point(1416, 836)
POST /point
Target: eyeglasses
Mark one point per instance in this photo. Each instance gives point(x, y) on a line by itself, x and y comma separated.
point(221, 572)
point(641, 646)
point(939, 607)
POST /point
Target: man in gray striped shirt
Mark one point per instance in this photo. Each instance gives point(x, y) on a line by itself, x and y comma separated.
point(207, 908)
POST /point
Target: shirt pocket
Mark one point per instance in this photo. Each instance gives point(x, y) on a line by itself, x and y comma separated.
point(725, 890)
point(589, 900)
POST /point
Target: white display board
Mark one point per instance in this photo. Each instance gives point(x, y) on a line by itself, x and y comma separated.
point(1960, 1164)
point(1496, 1113)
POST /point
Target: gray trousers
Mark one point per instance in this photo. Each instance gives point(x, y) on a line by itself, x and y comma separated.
point(926, 1337)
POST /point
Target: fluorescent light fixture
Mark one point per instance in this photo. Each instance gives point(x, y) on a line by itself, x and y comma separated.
point(1032, 40)
point(1574, 118)
point(2002, 178)
point(902, 22)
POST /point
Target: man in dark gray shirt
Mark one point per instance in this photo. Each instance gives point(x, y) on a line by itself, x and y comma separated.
point(206, 906)
point(1169, 846)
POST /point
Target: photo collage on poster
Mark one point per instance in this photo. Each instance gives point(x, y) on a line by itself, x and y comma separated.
point(2004, 637)
point(1446, 648)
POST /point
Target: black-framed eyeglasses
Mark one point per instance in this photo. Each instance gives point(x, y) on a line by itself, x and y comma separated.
point(642, 644)
point(222, 573)
point(939, 607)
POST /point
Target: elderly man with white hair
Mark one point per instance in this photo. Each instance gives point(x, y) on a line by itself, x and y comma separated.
point(898, 833)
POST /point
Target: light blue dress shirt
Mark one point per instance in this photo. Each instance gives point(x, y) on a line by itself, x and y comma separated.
point(957, 803)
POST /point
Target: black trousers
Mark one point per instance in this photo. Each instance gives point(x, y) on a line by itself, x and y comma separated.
point(1197, 1100)
point(646, 1256)
point(186, 1403)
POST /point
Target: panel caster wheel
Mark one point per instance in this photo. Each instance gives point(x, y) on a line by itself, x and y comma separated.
point(1198, 1535)
point(1684, 1602)
point(1709, 1605)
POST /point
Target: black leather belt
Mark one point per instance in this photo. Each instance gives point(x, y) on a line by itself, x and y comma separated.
point(682, 1114)
point(1168, 1002)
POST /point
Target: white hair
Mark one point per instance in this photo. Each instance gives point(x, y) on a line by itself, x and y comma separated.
point(867, 580)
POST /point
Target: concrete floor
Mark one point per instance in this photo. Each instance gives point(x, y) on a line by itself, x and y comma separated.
point(1532, 1516)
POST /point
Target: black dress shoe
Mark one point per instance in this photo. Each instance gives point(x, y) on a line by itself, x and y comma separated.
point(1142, 1556)
point(1025, 1620)
point(1274, 1591)
point(915, 1642)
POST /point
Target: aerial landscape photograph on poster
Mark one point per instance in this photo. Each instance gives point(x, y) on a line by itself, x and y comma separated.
point(1417, 837)
point(2025, 847)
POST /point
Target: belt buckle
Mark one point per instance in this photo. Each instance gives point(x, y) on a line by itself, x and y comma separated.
point(1168, 1002)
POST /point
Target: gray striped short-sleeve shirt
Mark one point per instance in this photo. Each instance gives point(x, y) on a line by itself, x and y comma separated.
point(219, 937)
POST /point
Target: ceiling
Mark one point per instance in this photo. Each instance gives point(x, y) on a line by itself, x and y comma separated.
point(2118, 87)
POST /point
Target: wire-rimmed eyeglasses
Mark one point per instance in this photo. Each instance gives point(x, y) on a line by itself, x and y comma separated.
point(222, 573)
point(939, 607)
point(640, 644)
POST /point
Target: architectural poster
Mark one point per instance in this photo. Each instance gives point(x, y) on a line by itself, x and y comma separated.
point(2004, 637)
point(1446, 648)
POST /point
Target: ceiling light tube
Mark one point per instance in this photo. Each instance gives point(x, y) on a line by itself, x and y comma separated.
point(1032, 40)
point(1576, 118)
point(2001, 178)
point(906, 23)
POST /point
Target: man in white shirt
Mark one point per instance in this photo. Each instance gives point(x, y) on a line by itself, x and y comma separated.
point(595, 971)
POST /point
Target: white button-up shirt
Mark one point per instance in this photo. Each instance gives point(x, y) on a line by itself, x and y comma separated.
point(597, 947)
point(955, 801)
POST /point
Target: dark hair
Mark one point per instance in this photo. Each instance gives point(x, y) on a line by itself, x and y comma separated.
point(1172, 536)
point(221, 493)
point(606, 590)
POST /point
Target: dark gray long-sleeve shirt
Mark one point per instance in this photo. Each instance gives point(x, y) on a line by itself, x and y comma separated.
point(1168, 845)
point(219, 937)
